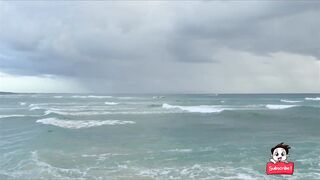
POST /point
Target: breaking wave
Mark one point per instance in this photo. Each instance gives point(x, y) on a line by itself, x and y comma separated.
point(128, 98)
point(195, 109)
point(40, 170)
point(90, 113)
point(289, 101)
point(78, 124)
point(32, 108)
point(83, 113)
point(12, 115)
point(312, 99)
point(111, 103)
point(23, 103)
point(278, 106)
point(17, 115)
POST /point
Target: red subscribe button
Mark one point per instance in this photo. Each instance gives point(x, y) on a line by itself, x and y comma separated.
point(280, 168)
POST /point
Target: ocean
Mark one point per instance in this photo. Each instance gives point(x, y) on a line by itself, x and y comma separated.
point(203, 136)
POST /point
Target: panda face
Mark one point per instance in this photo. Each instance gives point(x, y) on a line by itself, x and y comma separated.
point(279, 155)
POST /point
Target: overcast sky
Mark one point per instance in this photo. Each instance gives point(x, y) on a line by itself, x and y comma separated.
point(160, 47)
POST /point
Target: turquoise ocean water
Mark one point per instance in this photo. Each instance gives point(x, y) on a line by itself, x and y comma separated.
point(208, 136)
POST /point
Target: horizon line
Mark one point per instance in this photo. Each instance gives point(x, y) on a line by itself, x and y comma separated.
point(153, 93)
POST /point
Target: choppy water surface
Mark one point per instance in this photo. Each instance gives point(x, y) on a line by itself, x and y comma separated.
point(72, 136)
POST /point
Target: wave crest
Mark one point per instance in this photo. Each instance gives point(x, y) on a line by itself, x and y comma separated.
point(195, 109)
point(12, 115)
point(111, 103)
point(22, 103)
point(289, 101)
point(279, 106)
point(18, 115)
point(78, 124)
point(312, 99)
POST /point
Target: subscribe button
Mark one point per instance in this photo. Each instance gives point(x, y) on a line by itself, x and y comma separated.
point(280, 168)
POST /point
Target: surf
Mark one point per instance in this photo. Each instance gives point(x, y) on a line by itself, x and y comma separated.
point(78, 124)
point(279, 106)
point(194, 109)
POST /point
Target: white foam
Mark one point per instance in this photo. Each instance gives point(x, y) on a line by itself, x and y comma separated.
point(279, 106)
point(111, 103)
point(289, 101)
point(56, 172)
point(12, 115)
point(40, 106)
point(40, 169)
point(90, 113)
point(195, 109)
point(127, 97)
point(312, 99)
point(22, 103)
point(17, 115)
point(58, 97)
point(89, 108)
point(78, 124)
point(32, 108)
point(99, 97)
point(84, 113)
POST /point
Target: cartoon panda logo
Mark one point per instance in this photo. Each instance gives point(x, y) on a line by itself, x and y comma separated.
point(280, 153)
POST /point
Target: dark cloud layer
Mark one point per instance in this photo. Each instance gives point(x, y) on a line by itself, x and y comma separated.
point(141, 46)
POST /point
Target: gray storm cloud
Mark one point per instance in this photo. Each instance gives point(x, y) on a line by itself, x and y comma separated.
point(142, 46)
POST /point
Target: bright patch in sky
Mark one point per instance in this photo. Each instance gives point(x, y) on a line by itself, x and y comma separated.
point(38, 84)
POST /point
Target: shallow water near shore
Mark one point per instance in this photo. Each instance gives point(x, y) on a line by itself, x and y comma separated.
point(208, 136)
